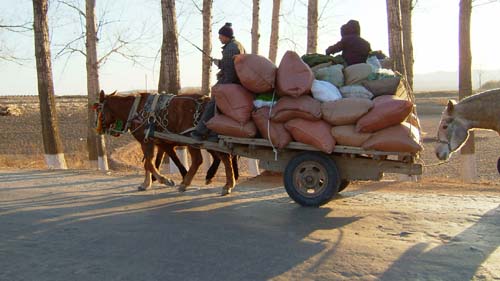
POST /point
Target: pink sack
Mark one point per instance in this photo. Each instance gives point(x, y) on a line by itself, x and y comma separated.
point(314, 133)
point(288, 108)
point(256, 73)
point(345, 111)
point(398, 138)
point(276, 132)
point(347, 135)
point(234, 101)
point(224, 125)
point(294, 77)
point(387, 111)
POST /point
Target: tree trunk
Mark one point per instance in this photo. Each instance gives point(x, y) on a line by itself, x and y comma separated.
point(406, 22)
point(207, 47)
point(469, 172)
point(169, 81)
point(395, 36)
point(53, 148)
point(95, 143)
point(255, 26)
point(312, 26)
point(275, 30)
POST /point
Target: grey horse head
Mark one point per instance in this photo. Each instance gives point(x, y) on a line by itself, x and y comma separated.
point(452, 132)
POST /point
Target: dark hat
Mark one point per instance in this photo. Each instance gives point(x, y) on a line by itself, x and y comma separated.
point(227, 30)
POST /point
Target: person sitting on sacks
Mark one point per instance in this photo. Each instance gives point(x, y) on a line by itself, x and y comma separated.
point(226, 75)
point(354, 48)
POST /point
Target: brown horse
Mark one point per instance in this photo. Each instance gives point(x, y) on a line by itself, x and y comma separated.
point(480, 111)
point(178, 117)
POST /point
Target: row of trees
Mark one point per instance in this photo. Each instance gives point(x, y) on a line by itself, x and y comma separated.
point(400, 49)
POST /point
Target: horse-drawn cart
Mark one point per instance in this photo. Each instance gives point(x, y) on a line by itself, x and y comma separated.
point(311, 177)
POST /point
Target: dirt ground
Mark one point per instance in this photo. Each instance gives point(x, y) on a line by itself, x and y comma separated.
point(84, 225)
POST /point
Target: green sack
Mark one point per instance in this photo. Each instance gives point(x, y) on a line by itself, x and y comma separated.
point(316, 59)
point(332, 74)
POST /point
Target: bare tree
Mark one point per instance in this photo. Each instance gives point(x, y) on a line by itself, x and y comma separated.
point(395, 35)
point(95, 143)
point(53, 148)
point(406, 23)
point(207, 47)
point(255, 26)
point(469, 172)
point(169, 66)
point(275, 29)
point(312, 26)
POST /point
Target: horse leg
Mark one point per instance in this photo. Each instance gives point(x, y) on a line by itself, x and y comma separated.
point(170, 150)
point(230, 182)
point(148, 149)
point(159, 158)
point(213, 168)
point(196, 160)
point(236, 169)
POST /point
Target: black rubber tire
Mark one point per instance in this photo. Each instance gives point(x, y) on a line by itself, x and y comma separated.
point(498, 165)
point(343, 185)
point(332, 174)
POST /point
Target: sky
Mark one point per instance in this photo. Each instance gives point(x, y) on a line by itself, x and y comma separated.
point(435, 35)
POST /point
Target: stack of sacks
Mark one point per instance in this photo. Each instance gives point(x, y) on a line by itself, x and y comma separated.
point(236, 104)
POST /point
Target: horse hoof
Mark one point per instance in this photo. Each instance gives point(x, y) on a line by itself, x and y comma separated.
point(208, 181)
point(226, 191)
point(169, 182)
point(181, 188)
point(142, 188)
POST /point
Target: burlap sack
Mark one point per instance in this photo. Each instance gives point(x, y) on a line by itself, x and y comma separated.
point(356, 73)
point(386, 86)
point(314, 133)
point(287, 115)
point(356, 91)
point(399, 138)
point(347, 135)
point(288, 108)
point(234, 101)
point(224, 125)
point(387, 111)
point(294, 77)
point(345, 111)
point(256, 73)
point(275, 132)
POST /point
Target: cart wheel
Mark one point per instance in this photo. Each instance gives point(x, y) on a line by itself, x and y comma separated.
point(498, 165)
point(343, 185)
point(311, 179)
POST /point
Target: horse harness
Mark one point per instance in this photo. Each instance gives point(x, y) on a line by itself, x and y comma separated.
point(154, 112)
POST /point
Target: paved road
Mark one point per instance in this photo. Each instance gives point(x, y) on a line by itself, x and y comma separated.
point(80, 225)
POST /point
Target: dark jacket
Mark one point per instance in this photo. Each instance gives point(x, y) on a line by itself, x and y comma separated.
point(354, 48)
point(227, 73)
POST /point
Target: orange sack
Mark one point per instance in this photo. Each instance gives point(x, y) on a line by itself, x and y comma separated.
point(256, 73)
point(224, 125)
point(347, 135)
point(315, 133)
point(345, 111)
point(234, 101)
point(294, 77)
point(399, 138)
point(288, 108)
point(271, 130)
point(387, 111)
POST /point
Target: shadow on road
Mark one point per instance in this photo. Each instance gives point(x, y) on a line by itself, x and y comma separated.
point(254, 234)
point(458, 259)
